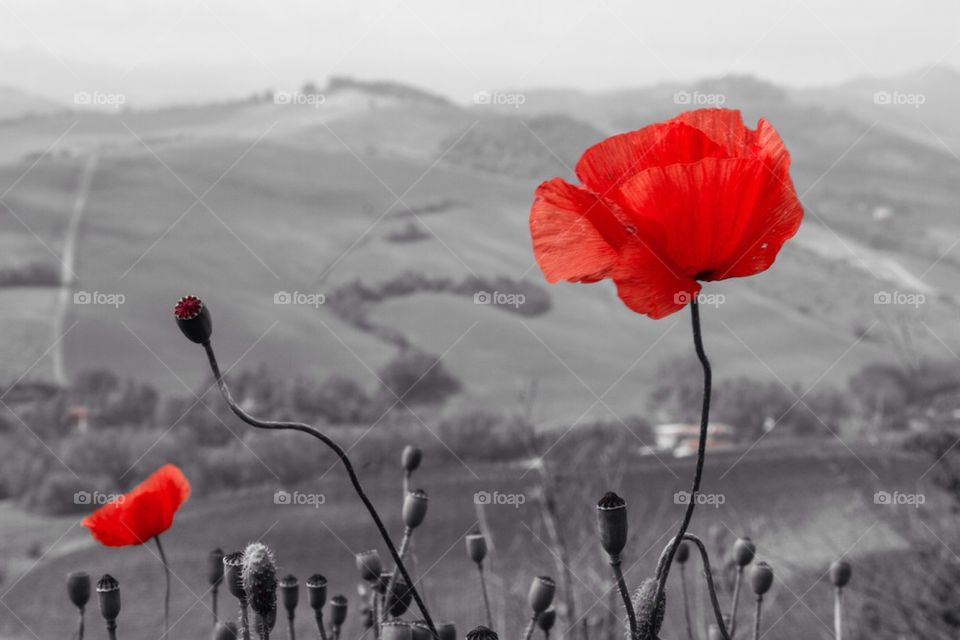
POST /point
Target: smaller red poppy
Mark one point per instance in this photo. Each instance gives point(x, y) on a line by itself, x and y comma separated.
point(143, 513)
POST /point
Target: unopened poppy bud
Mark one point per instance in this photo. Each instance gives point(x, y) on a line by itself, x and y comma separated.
point(541, 593)
point(260, 579)
point(78, 588)
point(840, 573)
point(612, 523)
point(546, 619)
point(410, 458)
point(476, 548)
point(683, 553)
point(447, 631)
point(369, 565)
point(233, 574)
point(225, 631)
point(482, 633)
point(761, 578)
point(743, 551)
point(649, 615)
point(215, 567)
point(289, 592)
point(338, 610)
point(396, 630)
point(108, 591)
point(415, 508)
point(420, 630)
point(317, 591)
point(193, 318)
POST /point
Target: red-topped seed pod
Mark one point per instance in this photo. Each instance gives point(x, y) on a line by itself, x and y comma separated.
point(215, 567)
point(317, 591)
point(193, 318)
point(369, 565)
point(840, 573)
point(476, 548)
point(410, 458)
point(744, 551)
point(761, 578)
point(289, 589)
point(78, 588)
point(541, 593)
point(338, 610)
point(108, 591)
point(482, 633)
point(415, 508)
point(612, 523)
point(683, 553)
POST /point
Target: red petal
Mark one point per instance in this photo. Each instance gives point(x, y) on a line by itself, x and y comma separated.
point(649, 284)
point(606, 165)
point(575, 234)
point(723, 126)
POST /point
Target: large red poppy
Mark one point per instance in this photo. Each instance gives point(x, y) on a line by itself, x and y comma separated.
point(144, 512)
point(697, 198)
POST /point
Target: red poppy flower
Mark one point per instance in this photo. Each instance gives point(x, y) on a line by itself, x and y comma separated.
point(143, 513)
point(697, 198)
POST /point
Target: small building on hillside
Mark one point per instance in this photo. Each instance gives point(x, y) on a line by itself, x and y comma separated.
point(682, 439)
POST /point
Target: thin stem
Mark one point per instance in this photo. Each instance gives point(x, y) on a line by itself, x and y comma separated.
point(166, 597)
point(244, 618)
point(528, 632)
point(686, 601)
point(736, 601)
point(336, 632)
point(392, 583)
point(624, 594)
point(319, 618)
point(756, 619)
point(80, 628)
point(341, 454)
point(701, 449)
point(213, 598)
point(708, 576)
point(112, 629)
point(486, 598)
point(838, 614)
point(293, 632)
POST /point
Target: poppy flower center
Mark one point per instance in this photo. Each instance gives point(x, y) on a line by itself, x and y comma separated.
point(188, 307)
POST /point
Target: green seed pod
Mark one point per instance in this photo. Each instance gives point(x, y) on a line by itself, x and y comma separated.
point(743, 551)
point(761, 578)
point(541, 593)
point(233, 574)
point(547, 619)
point(225, 631)
point(410, 458)
point(338, 610)
point(396, 630)
point(612, 523)
point(108, 591)
point(476, 550)
point(482, 633)
point(289, 592)
point(369, 565)
point(78, 588)
point(317, 591)
point(840, 573)
point(649, 615)
point(260, 579)
point(415, 508)
point(215, 567)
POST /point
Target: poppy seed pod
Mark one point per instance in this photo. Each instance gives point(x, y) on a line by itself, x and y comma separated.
point(447, 631)
point(78, 588)
point(369, 565)
point(541, 593)
point(225, 631)
point(289, 592)
point(612, 523)
point(215, 567)
point(399, 598)
point(108, 591)
point(410, 458)
point(761, 578)
point(546, 619)
point(260, 579)
point(743, 551)
point(482, 633)
point(233, 574)
point(683, 553)
point(415, 508)
point(396, 630)
point(476, 548)
point(840, 573)
point(420, 630)
point(193, 318)
point(317, 591)
point(338, 610)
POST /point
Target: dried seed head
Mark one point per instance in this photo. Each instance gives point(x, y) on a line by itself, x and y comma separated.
point(369, 565)
point(761, 578)
point(233, 574)
point(420, 630)
point(410, 458)
point(78, 588)
point(541, 593)
point(215, 567)
point(649, 614)
point(260, 579)
point(338, 610)
point(396, 630)
point(225, 631)
point(683, 553)
point(612, 523)
point(108, 591)
point(289, 592)
point(547, 619)
point(317, 591)
point(476, 549)
point(415, 508)
point(447, 631)
point(840, 573)
point(482, 633)
point(743, 551)
point(193, 318)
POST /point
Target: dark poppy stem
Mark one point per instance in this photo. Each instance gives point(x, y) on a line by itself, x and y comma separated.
point(80, 628)
point(320, 629)
point(736, 602)
point(756, 619)
point(486, 598)
point(708, 576)
point(838, 614)
point(293, 632)
point(166, 597)
point(528, 632)
point(392, 583)
point(341, 454)
point(615, 563)
point(244, 618)
point(701, 450)
point(112, 629)
point(686, 601)
point(213, 598)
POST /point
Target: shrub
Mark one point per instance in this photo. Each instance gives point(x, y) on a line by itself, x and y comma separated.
point(418, 378)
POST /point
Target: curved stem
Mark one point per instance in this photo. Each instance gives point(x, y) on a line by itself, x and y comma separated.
point(166, 598)
point(319, 618)
point(341, 454)
point(664, 571)
point(708, 576)
point(736, 601)
point(392, 583)
point(756, 619)
point(686, 601)
point(624, 594)
point(486, 598)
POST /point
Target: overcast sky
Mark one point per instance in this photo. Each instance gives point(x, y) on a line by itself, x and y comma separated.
point(176, 50)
